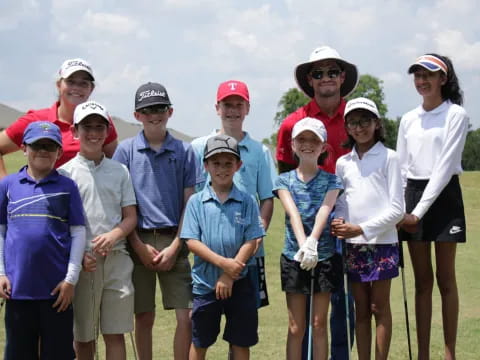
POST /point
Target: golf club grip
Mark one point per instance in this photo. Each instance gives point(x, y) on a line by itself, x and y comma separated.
point(401, 261)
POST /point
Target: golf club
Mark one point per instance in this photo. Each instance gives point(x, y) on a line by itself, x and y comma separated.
point(310, 315)
point(133, 346)
point(95, 327)
point(345, 291)
point(402, 266)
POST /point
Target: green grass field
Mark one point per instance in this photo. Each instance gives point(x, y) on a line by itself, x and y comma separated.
point(273, 319)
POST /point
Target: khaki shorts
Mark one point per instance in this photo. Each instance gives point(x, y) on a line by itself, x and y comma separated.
point(111, 301)
point(176, 284)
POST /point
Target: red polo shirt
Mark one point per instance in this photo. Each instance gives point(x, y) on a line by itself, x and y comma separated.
point(71, 146)
point(336, 134)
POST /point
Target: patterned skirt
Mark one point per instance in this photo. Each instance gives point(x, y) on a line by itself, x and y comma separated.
point(372, 262)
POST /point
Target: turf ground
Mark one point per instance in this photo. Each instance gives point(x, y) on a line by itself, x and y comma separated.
point(273, 319)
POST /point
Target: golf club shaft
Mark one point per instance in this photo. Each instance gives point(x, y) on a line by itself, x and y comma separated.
point(405, 305)
point(310, 315)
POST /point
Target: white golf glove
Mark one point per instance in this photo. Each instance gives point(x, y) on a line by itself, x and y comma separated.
point(299, 255)
point(310, 254)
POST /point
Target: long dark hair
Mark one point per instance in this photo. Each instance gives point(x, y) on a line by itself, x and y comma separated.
point(451, 89)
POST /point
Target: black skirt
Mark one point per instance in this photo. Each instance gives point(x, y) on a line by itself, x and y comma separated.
point(444, 221)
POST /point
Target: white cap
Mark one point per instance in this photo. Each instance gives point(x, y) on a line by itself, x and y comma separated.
point(361, 103)
point(73, 65)
point(314, 125)
point(90, 108)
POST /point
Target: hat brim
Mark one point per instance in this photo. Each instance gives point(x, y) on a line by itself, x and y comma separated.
point(431, 68)
point(224, 150)
point(351, 77)
point(233, 93)
point(73, 70)
point(35, 139)
point(94, 113)
point(141, 106)
point(371, 111)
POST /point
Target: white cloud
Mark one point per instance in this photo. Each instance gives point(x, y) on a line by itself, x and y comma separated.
point(14, 12)
point(193, 45)
point(108, 23)
point(465, 54)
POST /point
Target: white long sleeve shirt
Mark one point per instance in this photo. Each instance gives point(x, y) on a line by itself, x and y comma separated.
point(430, 146)
point(373, 196)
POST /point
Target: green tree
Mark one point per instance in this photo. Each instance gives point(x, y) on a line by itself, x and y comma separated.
point(289, 102)
point(471, 152)
point(371, 87)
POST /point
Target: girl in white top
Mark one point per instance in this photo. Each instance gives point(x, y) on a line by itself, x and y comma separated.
point(366, 215)
point(430, 143)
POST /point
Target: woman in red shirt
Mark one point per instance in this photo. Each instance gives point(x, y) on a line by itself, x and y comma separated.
point(75, 84)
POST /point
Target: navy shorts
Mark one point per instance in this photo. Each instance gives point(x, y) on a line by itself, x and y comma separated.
point(241, 317)
point(327, 276)
point(27, 321)
point(444, 221)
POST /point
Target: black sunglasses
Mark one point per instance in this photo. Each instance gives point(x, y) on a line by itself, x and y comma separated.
point(154, 110)
point(318, 74)
point(50, 146)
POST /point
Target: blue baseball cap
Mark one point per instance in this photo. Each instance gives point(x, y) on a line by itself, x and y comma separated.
point(42, 130)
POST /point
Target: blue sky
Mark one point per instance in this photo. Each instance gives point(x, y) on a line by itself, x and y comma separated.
point(191, 46)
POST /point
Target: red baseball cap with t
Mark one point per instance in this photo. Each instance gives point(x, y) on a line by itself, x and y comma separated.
point(232, 87)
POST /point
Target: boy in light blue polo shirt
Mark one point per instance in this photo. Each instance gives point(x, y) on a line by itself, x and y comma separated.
point(223, 228)
point(257, 174)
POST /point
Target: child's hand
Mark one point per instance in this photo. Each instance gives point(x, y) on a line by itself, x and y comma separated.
point(103, 243)
point(65, 292)
point(310, 254)
point(5, 287)
point(223, 287)
point(232, 267)
point(409, 223)
point(165, 259)
point(89, 263)
point(345, 230)
point(147, 255)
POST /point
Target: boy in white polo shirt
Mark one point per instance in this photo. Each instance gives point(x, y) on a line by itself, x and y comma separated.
point(104, 292)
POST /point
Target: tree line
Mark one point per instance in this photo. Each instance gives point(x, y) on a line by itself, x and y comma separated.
point(371, 87)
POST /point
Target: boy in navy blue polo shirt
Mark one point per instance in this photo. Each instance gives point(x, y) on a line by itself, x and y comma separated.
point(164, 174)
point(223, 228)
point(42, 240)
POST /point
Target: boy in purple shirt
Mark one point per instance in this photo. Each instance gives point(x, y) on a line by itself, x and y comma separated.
point(42, 240)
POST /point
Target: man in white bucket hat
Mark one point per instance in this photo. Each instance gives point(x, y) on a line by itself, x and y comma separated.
point(326, 78)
